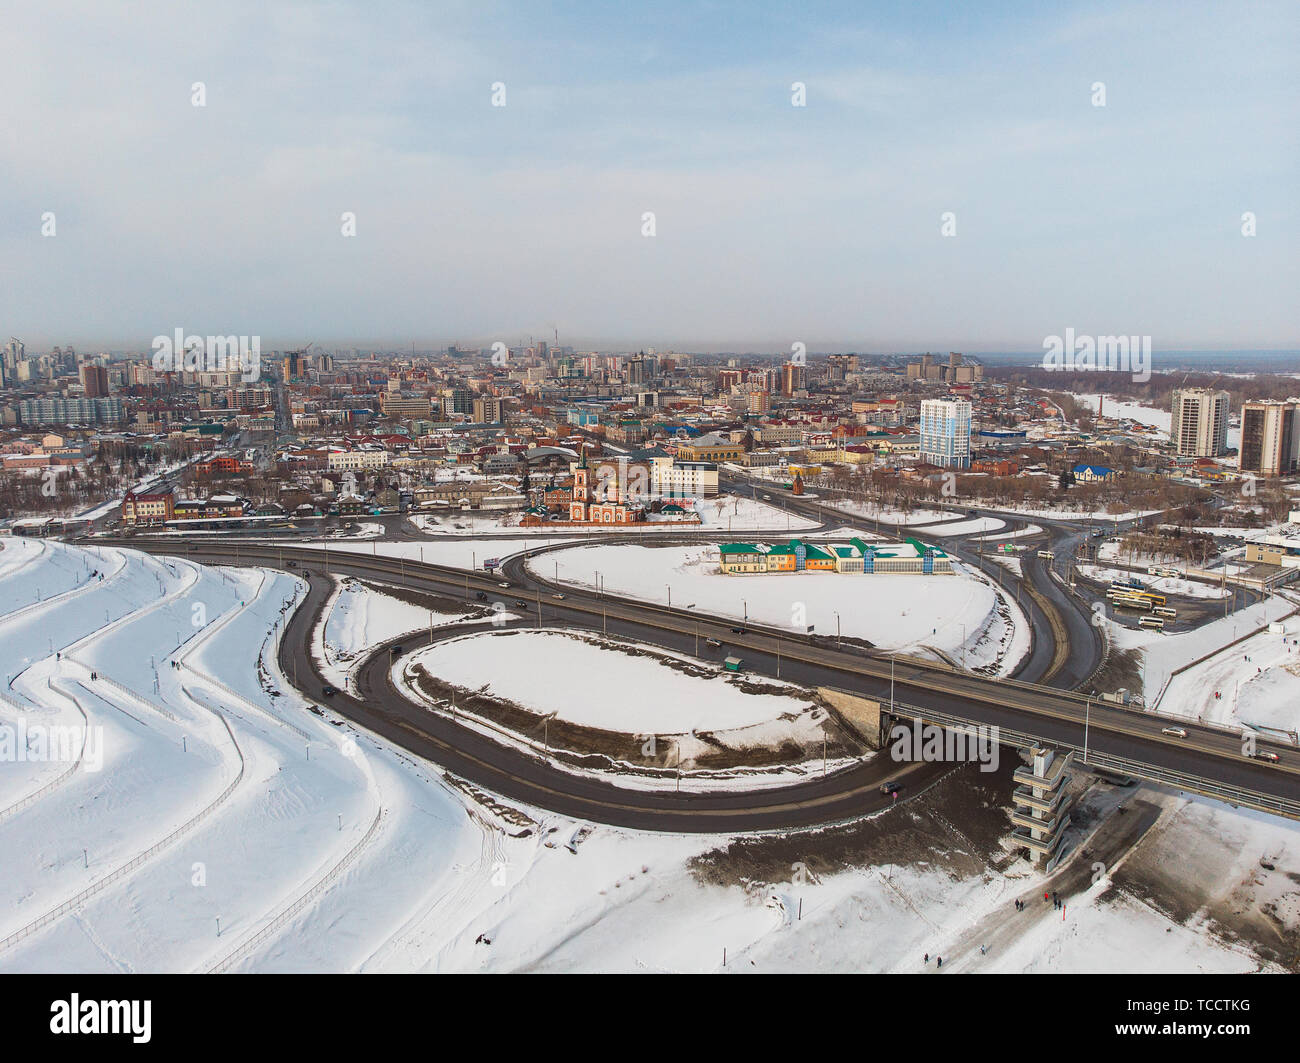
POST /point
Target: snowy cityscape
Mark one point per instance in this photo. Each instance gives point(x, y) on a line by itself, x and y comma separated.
point(526, 491)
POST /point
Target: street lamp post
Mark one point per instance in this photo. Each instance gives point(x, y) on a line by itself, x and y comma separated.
point(1087, 712)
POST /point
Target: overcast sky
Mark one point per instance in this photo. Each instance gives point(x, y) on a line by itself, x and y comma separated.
point(774, 223)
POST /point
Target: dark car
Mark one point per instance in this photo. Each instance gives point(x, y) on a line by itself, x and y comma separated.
point(329, 691)
point(738, 631)
point(291, 563)
point(396, 651)
point(891, 788)
point(521, 603)
point(481, 596)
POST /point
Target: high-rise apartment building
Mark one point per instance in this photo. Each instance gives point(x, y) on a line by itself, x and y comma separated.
point(794, 378)
point(1200, 422)
point(94, 380)
point(945, 432)
point(1270, 438)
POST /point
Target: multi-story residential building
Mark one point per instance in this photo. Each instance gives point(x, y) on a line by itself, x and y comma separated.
point(945, 432)
point(488, 409)
point(342, 460)
point(1200, 422)
point(141, 507)
point(404, 407)
point(1270, 438)
point(794, 378)
point(104, 410)
point(94, 381)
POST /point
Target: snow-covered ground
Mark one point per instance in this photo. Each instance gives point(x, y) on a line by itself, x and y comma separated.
point(1162, 653)
point(890, 515)
point(216, 796)
point(723, 512)
point(738, 513)
point(358, 617)
point(551, 672)
point(1258, 681)
point(967, 527)
point(955, 614)
point(208, 820)
point(455, 553)
point(1164, 584)
point(1014, 533)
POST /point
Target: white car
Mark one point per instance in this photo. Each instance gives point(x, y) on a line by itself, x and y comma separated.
point(1176, 732)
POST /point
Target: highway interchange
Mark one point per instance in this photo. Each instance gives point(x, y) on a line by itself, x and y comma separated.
point(1039, 704)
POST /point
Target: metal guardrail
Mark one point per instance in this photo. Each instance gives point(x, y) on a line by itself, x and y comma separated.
point(62, 777)
point(131, 865)
point(297, 906)
point(1236, 795)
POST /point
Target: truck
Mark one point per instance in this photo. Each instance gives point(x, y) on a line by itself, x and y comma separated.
point(733, 664)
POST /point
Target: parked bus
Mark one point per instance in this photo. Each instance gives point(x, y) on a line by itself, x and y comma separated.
point(1153, 622)
point(1130, 594)
point(1046, 555)
point(1165, 611)
point(1130, 601)
point(1159, 570)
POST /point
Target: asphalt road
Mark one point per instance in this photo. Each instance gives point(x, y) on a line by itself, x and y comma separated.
point(1055, 717)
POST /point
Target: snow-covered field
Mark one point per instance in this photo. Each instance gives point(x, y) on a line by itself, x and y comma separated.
point(737, 513)
point(967, 527)
point(555, 673)
point(723, 513)
point(1014, 533)
point(890, 515)
point(956, 614)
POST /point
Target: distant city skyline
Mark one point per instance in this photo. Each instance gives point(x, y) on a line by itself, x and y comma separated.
point(773, 223)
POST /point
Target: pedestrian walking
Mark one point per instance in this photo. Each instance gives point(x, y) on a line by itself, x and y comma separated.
point(927, 959)
point(940, 960)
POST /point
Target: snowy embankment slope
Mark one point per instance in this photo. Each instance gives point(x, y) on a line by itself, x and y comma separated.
point(272, 836)
point(358, 618)
point(1162, 653)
